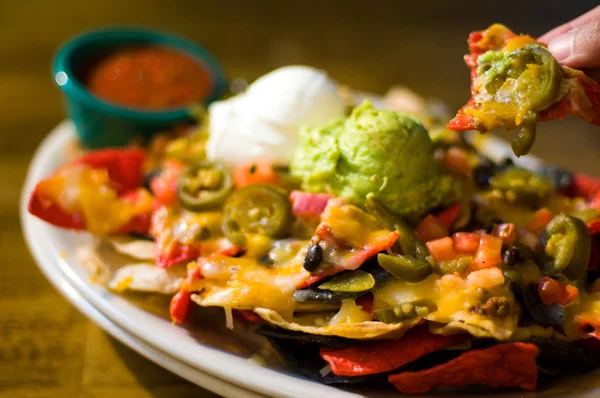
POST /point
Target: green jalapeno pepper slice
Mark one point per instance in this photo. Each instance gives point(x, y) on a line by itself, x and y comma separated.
point(403, 312)
point(526, 80)
point(409, 242)
point(522, 186)
point(449, 267)
point(528, 76)
point(204, 185)
point(350, 282)
point(406, 268)
point(567, 245)
point(258, 208)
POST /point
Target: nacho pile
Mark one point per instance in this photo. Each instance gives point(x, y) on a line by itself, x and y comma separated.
point(388, 251)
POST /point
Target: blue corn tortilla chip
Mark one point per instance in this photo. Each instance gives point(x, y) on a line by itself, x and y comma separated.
point(304, 359)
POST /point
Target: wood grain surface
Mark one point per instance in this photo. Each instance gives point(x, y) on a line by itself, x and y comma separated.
point(47, 348)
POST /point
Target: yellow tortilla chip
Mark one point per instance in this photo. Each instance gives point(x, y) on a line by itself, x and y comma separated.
point(135, 248)
point(364, 330)
point(477, 325)
point(118, 272)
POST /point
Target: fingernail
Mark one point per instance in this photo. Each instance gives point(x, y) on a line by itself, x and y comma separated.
point(562, 46)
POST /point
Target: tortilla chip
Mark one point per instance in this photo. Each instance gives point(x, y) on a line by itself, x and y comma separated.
point(477, 325)
point(149, 278)
point(371, 357)
point(362, 330)
point(136, 248)
point(502, 365)
point(117, 271)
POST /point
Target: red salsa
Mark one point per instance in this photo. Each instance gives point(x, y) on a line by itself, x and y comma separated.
point(148, 77)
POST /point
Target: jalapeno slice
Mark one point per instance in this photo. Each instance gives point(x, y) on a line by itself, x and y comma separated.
point(350, 282)
point(405, 267)
point(522, 186)
point(403, 312)
point(204, 185)
point(258, 208)
point(528, 76)
point(567, 245)
point(409, 242)
point(523, 82)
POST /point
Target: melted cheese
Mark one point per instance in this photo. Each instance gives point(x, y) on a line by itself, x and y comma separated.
point(579, 315)
point(244, 283)
point(86, 191)
point(454, 297)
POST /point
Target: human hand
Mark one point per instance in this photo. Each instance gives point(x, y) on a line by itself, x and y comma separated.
point(577, 43)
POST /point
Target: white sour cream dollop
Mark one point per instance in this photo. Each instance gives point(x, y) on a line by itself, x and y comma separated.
point(263, 122)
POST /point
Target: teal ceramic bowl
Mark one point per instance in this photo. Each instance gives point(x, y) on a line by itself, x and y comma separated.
point(102, 124)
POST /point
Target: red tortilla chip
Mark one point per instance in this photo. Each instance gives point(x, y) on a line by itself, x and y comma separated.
point(372, 357)
point(503, 365)
point(582, 98)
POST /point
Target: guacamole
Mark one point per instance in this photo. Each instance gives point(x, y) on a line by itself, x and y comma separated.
point(385, 153)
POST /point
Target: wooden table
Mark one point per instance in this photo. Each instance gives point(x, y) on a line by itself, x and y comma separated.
point(47, 348)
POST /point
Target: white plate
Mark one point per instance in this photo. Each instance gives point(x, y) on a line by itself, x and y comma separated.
point(50, 244)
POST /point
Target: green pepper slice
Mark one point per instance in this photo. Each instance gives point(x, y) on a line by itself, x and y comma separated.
point(527, 80)
point(409, 242)
point(522, 186)
point(459, 265)
point(350, 282)
point(204, 185)
point(258, 208)
point(567, 245)
point(406, 268)
point(403, 312)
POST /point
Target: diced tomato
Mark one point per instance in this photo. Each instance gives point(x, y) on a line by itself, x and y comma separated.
point(552, 291)
point(180, 305)
point(257, 172)
point(305, 204)
point(442, 249)
point(571, 295)
point(448, 217)
point(124, 166)
point(466, 242)
point(539, 220)
point(456, 161)
point(506, 232)
point(177, 253)
point(164, 186)
point(489, 252)
point(431, 229)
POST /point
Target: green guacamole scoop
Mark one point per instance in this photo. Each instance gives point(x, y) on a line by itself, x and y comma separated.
point(385, 153)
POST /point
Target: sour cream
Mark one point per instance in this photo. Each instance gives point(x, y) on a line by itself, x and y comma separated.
point(264, 121)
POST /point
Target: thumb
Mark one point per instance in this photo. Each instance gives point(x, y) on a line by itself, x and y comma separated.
point(578, 48)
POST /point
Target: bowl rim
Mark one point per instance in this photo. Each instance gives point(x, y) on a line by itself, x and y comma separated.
point(73, 88)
